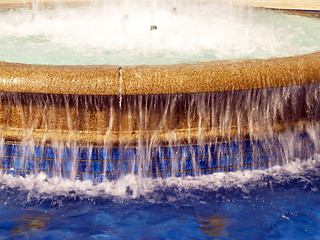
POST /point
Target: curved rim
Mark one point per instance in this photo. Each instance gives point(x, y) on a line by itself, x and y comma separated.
point(226, 75)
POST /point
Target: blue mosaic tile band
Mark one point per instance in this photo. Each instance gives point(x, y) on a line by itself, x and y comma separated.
point(105, 164)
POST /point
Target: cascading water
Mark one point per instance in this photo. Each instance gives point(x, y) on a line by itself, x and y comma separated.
point(59, 124)
point(203, 132)
point(34, 6)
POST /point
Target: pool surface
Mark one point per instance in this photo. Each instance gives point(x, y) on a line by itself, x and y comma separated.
point(119, 34)
point(278, 203)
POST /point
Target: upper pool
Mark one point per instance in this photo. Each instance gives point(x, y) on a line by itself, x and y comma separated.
point(119, 34)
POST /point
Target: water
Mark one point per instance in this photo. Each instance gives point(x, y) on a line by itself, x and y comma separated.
point(279, 203)
point(160, 134)
point(119, 33)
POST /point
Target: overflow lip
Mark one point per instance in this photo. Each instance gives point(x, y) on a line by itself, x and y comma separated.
point(215, 76)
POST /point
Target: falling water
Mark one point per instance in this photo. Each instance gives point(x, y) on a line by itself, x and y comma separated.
point(154, 15)
point(34, 6)
point(192, 125)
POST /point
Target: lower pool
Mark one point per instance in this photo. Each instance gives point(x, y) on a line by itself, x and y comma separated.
point(277, 203)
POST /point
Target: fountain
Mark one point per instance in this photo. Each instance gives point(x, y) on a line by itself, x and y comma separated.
point(100, 122)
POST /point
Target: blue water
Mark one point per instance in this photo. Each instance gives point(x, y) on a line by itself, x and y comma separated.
point(278, 203)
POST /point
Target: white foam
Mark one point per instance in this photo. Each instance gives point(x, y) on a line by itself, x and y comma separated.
point(133, 187)
point(200, 31)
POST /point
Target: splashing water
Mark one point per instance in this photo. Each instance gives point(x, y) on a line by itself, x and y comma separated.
point(199, 32)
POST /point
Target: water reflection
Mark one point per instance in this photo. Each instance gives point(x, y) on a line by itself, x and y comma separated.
point(30, 222)
point(214, 225)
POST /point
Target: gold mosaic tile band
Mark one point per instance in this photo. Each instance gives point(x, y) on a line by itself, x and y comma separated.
point(162, 79)
point(80, 80)
point(132, 137)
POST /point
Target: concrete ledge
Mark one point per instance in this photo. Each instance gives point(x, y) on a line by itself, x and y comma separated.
point(80, 80)
point(221, 75)
point(278, 4)
point(131, 138)
point(166, 79)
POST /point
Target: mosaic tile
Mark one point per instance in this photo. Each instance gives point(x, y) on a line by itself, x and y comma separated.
point(213, 150)
point(264, 166)
point(257, 145)
point(13, 150)
point(163, 165)
point(26, 151)
point(230, 169)
point(271, 156)
point(131, 154)
point(261, 157)
point(152, 166)
point(96, 167)
point(176, 165)
point(154, 175)
point(123, 167)
point(184, 152)
point(115, 154)
point(44, 165)
point(104, 154)
point(12, 172)
point(101, 178)
point(214, 162)
point(82, 166)
point(193, 173)
point(6, 162)
point(110, 167)
point(171, 152)
point(30, 164)
point(206, 172)
point(198, 151)
point(248, 159)
point(68, 166)
point(50, 152)
point(158, 153)
point(166, 175)
point(113, 177)
point(93, 155)
point(243, 168)
point(65, 175)
point(66, 154)
point(134, 167)
point(56, 165)
point(234, 147)
point(247, 146)
point(87, 176)
point(226, 161)
point(237, 160)
point(202, 163)
point(223, 148)
point(18, 163)
point(189, 160)
point(38, 152)
point(188, 164)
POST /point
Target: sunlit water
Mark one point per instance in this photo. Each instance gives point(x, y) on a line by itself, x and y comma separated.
point(278, 203)
point(119, 33)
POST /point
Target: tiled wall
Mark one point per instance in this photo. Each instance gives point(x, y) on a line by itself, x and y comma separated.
point(101, 164)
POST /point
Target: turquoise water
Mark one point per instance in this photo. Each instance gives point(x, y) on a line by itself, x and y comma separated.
point(279, 203)
point(119, 33)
